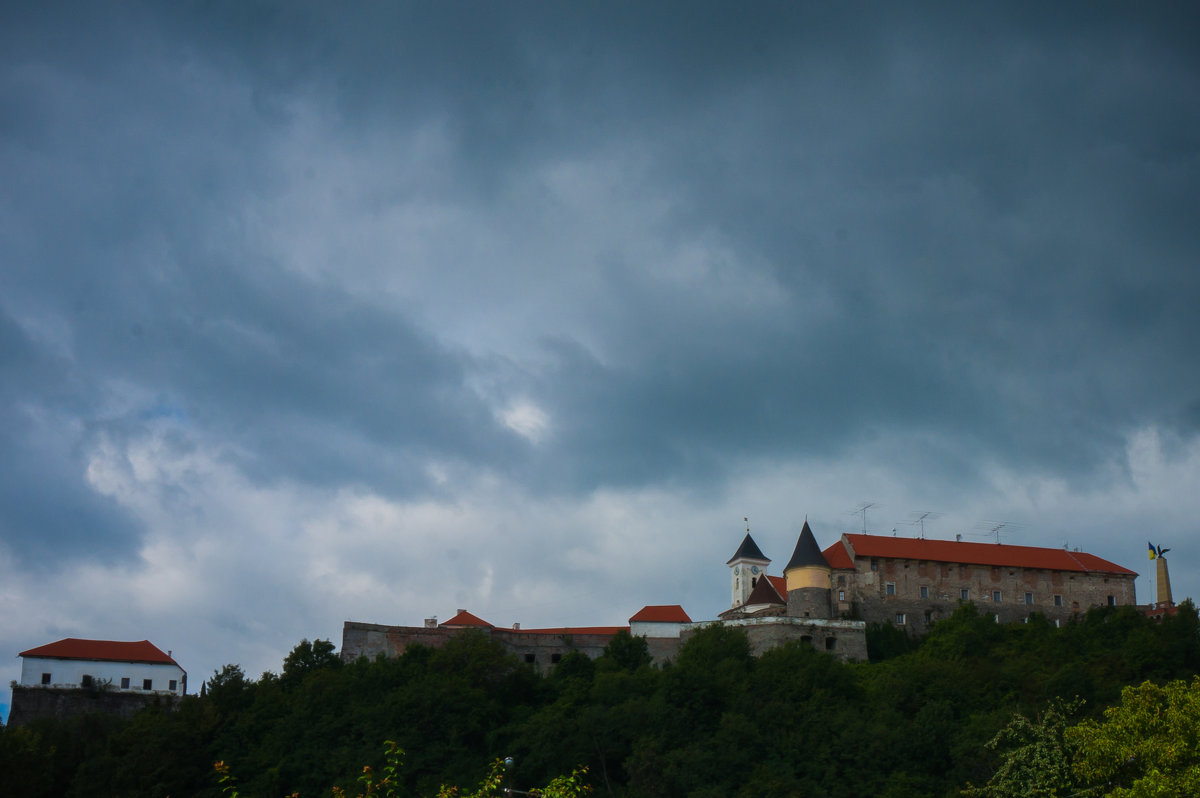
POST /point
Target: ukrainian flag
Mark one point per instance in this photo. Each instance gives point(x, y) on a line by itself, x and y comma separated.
point(1151, 545)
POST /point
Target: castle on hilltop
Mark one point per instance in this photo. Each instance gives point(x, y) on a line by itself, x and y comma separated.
point(825, 598)
point(913, 582)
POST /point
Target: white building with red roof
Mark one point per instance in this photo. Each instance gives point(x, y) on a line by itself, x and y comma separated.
point(112, 665)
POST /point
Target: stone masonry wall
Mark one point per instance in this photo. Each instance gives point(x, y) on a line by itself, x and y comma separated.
point(31, 703)
point(1022, 591)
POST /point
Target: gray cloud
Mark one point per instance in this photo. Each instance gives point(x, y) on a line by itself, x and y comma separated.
point(588, 252)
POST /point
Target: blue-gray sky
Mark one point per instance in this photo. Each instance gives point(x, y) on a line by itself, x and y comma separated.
point(311, 313)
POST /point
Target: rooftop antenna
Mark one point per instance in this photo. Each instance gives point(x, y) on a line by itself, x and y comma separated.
point(862, 510)
point(993, 528)
point(919, 520)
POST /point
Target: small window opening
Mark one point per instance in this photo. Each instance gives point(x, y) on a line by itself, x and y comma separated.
point(830, 643)
point(124, 682)
point(147, 684)
point(556, 658)
point(45, 678)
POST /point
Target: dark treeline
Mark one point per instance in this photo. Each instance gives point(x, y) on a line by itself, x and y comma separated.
point(716, 722)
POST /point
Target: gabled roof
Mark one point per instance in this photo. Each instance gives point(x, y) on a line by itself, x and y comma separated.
point(661, 613)
point(837, 556)
point(807, 551)
point(101, 650)
point(749, 550)
point(991, 554)
point(780, 585)
point(764, 593)
point(464, 618)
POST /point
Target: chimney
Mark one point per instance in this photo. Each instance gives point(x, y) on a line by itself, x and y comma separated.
point(431, 623)
point(516, 626)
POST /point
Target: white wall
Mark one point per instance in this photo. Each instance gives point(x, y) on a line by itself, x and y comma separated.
point(70, 672)
point(654, 628)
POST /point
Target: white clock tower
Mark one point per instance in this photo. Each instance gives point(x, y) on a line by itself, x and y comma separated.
point(747, 566)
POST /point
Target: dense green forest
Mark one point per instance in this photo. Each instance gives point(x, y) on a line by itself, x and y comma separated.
point(916, 720)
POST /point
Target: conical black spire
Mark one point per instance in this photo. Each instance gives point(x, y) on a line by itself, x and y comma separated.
point(749, 550)
point(807, 551)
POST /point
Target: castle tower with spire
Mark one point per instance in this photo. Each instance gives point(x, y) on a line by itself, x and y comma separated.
point(808, 579)
point(747, 566)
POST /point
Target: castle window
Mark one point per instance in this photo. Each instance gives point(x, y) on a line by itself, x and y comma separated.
point(529, 659)
point(754, 582)
point(124, 682)
point(830, 643)
point(1028, 598)
point(806, 639)
point(874, 565)
point(1112, 601)
point(45, 678)
point(841, 580)
point(900, 619)
point(890, 588)
point(171, 685)
point(86, 680)
point(1058, 601)
point(555, 658)
point(147, 684)
point(841, 595)
point(996, 596)
point(964, 594)
point(928, 617)
point(924, 591)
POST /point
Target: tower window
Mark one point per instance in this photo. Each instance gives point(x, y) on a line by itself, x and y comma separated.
point(841, 595)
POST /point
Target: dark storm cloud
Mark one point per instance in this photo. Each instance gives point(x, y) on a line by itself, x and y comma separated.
point(977, 225)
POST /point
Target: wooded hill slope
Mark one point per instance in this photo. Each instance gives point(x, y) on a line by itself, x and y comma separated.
point(915, 721)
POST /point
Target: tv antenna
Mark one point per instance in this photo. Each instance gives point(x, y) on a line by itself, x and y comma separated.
point(919, 517)
point(862, 510)
point(994, 528)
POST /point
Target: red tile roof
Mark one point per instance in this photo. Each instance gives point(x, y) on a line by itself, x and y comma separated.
point(661, 613)
point(992, 554)
point(780, 585)
point(104, 650)
point(464, 618)
point(838, 557)
point(572, 630)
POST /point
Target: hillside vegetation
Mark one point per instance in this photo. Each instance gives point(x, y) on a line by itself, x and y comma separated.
point(925, 717)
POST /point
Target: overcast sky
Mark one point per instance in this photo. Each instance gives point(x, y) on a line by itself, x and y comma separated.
point(311, 314)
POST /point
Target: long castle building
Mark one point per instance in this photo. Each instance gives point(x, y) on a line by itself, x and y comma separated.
point(825, 598)
point(913, 582)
